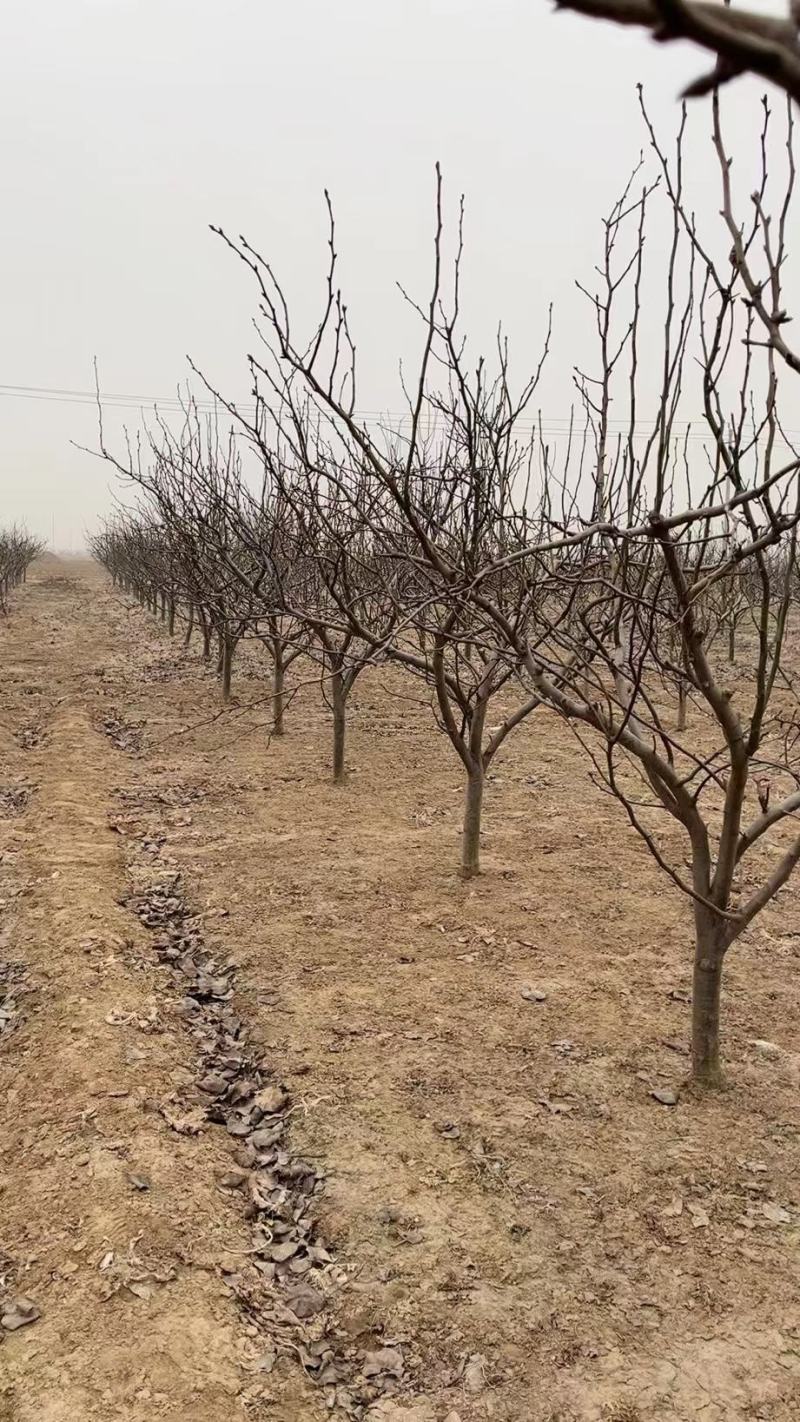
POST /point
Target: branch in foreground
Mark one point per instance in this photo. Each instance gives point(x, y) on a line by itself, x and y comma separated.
point(743, 41)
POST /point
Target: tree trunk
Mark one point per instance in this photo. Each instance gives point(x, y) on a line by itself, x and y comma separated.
point(189, 626)
point(681, 706)
point(163, 607)
point(277, 690)
point(706, 988)
point(471, 833)
point(227, 646)
point(171, 618)
point(339, 697)
point(206, 638)
point(731, 642)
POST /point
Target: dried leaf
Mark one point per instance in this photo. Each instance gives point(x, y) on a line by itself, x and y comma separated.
point(141, 1290)
point(384, 1360)
point(475, 1373)
point(271, 1099)
point(279, 1253)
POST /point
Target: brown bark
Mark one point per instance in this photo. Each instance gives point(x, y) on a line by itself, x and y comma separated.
point(227, 645)
point(189, 626)
point(339, 699)
point(706, 993)
point(681, 706)
point(277, 690)
point(471, 832)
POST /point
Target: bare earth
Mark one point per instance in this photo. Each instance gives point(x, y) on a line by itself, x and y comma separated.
point(516, 1227)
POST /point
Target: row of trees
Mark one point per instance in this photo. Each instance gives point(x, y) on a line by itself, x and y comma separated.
point(637, 582)
point(17, 551)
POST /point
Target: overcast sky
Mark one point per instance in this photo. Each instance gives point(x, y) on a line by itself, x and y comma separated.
point(130, 125)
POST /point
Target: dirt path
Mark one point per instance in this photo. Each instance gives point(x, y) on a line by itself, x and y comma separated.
point(510, 1210)
point(78, 1092)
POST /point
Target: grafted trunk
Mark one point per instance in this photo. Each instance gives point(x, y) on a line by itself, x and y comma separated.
point(471, 831)
point(339, 698)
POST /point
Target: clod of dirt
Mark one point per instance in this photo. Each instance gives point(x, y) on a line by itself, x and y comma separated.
point(776, 1214)
point(531, 994)
point(138, 1182)
point(449, 1130)
point(771, 1050)
point(699, 1215)
point(666, 1096)
point(189, 1124)
point(389, 1411)
point(18, 1313)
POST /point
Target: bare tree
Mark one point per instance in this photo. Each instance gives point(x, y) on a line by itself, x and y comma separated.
point(18, 549)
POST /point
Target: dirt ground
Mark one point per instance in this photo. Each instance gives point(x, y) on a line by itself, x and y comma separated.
point(511, 1226)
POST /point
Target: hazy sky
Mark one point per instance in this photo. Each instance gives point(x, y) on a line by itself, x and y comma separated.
point(129, 125)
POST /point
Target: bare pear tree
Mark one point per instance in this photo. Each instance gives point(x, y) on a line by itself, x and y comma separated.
point(729, 773)
point(403, 517)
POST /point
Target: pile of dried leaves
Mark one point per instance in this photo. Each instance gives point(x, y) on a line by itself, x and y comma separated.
point(288, 1281)
point(125, 735)
point(14, 798)
point(30, 736)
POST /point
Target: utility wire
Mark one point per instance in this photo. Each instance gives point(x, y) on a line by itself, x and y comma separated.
point(552, 425)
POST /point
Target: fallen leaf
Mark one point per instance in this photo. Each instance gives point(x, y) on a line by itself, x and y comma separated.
point(475, 1373)
point(142, 1291)
point(383, 1360)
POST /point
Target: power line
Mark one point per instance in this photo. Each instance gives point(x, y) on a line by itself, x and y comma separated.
point(552, 425)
